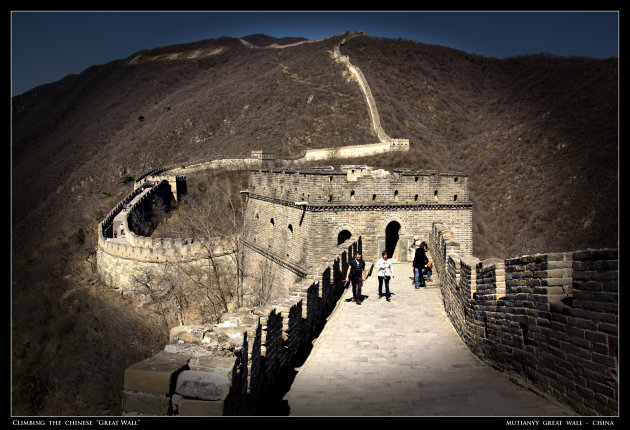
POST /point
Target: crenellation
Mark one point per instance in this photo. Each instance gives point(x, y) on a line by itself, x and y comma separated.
point(549, 327)
point(356, 200)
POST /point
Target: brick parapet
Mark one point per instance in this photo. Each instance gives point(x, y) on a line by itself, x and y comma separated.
point(260, 346)
point(119, 259)
point(548, 319)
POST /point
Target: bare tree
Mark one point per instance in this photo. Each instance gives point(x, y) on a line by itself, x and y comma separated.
point(210, 287)
point(145, 217)
point(147, 283)
point(212, 215)
point(264, 282)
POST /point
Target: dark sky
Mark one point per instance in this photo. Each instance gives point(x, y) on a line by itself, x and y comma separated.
point(48, 45)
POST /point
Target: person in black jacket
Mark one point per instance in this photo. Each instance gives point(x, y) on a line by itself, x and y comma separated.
point(420, 260)
point(356, 274)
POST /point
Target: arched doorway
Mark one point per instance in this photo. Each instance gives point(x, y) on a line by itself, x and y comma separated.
point(391, 237)
point(343, 236)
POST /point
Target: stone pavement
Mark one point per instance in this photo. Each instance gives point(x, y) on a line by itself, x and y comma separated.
point(118, 219)
point(403, 358)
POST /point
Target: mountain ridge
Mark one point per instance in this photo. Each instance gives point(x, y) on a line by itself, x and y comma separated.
point(537, 136)
point(478, 97)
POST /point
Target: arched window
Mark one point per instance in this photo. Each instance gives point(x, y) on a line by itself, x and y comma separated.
point(343, 236)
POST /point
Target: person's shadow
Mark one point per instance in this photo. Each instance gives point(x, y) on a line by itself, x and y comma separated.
point(363, 297)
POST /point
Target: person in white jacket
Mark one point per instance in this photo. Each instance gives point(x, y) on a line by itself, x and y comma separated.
point(385, 272)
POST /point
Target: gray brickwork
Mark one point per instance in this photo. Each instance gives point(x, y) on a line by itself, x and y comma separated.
point(551, 319)
point(295, 216)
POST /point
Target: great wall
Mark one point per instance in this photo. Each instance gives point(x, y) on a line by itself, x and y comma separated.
point(551, 319)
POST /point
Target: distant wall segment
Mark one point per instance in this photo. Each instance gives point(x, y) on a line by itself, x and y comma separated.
point(121, 258)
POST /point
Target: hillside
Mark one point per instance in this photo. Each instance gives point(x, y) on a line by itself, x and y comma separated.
point(538, 136)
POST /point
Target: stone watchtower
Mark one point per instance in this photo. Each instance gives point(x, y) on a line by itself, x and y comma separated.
point(296, 217)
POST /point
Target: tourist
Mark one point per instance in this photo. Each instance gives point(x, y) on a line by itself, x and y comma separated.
point(420, 260)
point(385, 271)
point(429, 269)
point(414, 245)
point(356, 274)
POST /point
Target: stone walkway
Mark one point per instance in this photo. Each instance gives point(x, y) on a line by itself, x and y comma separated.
point(403, 358)
point(118, 219)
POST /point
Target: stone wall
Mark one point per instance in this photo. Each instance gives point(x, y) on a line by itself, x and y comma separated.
point(360, 184)
point(261, 159)
point(121, 260)
point(358, 76)
point(268, 276)
point(298, 214)
point(240, 366)
point(550, 320)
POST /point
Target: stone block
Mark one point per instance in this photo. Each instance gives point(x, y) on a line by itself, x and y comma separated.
point(146, 403)
point(214, 384)
point(209, 363)
point(559, 273)
point(196, 408)
point(155, 374)
point(188, 333)
point(226, 338)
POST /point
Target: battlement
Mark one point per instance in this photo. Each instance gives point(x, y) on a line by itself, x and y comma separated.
point(550, 320)
point(237, 366)
point(121, 258)
point(360, 185)
point(262, 155)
